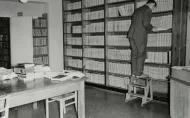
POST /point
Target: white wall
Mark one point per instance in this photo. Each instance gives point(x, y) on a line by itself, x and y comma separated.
point(21, 48)
point(188, 38)
point(10, 9)
point(55, 34)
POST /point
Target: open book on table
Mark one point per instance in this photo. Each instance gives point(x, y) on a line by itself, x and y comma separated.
point(62, 76)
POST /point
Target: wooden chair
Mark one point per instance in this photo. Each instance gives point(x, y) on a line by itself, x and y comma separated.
point(147, 88)
point(4, 106)
point(62, 102)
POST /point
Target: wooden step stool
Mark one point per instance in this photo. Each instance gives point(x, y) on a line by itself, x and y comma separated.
point(147, 88)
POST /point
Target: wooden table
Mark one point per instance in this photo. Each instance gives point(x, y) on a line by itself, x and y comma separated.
point(22, 93)
point(180, 94)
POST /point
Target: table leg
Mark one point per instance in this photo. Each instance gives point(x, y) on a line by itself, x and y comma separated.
point(47, 108)
point(81, 101)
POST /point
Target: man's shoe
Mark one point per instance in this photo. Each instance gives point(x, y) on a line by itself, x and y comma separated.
point(133, 78)
point(133, 75)
point(142, 76)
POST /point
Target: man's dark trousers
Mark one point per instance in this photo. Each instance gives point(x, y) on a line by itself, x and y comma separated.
point(137, 35)
point(138, 56)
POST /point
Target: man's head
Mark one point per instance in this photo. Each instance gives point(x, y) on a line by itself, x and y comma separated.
point(152, 4)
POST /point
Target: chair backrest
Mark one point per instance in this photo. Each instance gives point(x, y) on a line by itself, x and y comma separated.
point(4, 106)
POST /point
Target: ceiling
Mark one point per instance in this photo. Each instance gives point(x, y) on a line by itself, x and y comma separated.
point(11, 0)
point(34, 1)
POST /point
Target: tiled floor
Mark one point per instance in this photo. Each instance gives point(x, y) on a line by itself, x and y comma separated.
point(99, 104)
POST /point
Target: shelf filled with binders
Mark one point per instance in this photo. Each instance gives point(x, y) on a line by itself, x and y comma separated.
point(94, 53)
point(124, 10)
point(118, 82)
point(72, 5)
point(73, 16)
point(71, 51)
point(91, 4)
point(159, 40)
point(163, 6)
point(117, 54)
point(74, 10)
point(93, 40)
point(73, 46)
point(71, 39)
point(163, 13)
point(119, 26)
point(97, 27)
point(94, 65)
point(157, 72)
point(73, 62)
point(93, 14)
point(73, 68)
point(164, 21)
point(73, 34)
point(70, 28)
point(41, 59)
point(5, 57)
point(96, 78)
point(40, 40)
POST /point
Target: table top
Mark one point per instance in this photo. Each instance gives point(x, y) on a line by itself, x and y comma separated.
point(15, 85)
point(181, 76)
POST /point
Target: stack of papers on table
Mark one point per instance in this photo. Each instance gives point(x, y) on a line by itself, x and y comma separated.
point(26, 77)
point(23, 68)
point(6, 74)
point(25, 71)
point(40, 70)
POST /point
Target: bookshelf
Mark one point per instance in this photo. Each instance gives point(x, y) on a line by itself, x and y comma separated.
point(72, 27)
point(5, 57)
point(105, 51)
point(40, 40)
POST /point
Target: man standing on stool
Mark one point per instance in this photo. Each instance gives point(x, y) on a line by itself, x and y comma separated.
point(138, 34)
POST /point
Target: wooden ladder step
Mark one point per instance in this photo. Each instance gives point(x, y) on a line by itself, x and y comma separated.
point(134, 79)
point(137, 95)
point(140, 86)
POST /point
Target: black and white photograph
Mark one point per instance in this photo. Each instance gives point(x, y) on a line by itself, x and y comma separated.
point(94, 58)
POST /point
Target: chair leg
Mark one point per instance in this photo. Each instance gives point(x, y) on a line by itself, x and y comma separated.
point(64, 107)
point(47, 108)
point(134, 88)
point(128, 94)
point(151, 91)
point(146, 91)
point(61, 108)
point(76, 100)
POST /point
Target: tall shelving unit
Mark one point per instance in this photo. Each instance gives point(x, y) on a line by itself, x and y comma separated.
point(118, 48)
point(73, 44)
point(104, 54)
point(40, 40)
point(93, 41)
point(5, 57)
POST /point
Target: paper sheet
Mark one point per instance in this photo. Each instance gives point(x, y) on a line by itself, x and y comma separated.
point(161, 28)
